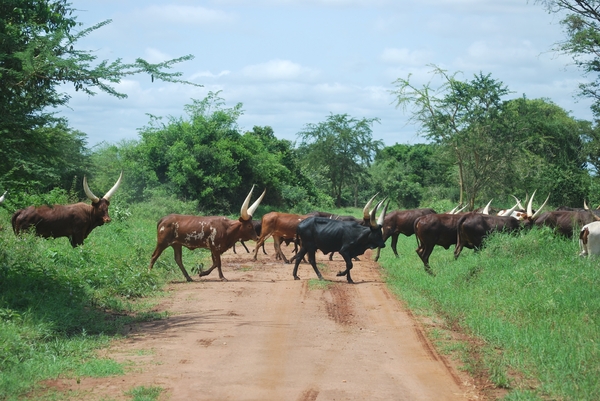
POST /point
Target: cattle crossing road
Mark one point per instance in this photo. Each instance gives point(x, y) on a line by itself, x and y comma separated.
point(265, 336)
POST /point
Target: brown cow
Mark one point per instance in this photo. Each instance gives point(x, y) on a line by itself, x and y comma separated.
point(282, 226)
point(432, 230)
point(75, 221)
point(437, 229)
point(474, 228)
point(564, 222)
point(401, 222)
point(209, 232)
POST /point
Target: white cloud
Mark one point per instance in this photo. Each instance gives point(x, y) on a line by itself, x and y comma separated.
point(278, 70)
point(156, 56)
point(406, 57)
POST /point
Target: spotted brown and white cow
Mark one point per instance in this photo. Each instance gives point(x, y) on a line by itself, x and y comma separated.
point(216, 233)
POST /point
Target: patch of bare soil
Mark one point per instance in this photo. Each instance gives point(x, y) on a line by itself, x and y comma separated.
point(264, 336)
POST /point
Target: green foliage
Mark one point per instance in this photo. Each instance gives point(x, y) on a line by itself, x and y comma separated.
point(205, 158)
point(58, 304)
point(38, 54)
point(529, 300)
point(581, 23)
point(340, 150)
point(406, 173)
point(499, 148)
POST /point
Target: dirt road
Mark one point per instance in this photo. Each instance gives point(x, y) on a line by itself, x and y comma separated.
point(264, 336)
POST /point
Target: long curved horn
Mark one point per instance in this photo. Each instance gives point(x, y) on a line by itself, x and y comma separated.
point(366, 212)
point(89, 193)
point(537, 212)
point(381, 218)
point(486, 209)
point(509, 211)
point(3, 196)
point(461, 209)
point(518, 203)
point(112, 191)
point(254, 206)
point(453, 210)
point(373, 215)
point(529, 205)
point(244, 210)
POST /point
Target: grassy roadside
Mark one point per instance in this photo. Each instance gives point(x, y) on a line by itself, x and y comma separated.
point(528, 300)
point(58, 305)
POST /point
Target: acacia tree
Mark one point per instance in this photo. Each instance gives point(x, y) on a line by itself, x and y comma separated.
point(581, 23)
point(465, 119)
point(340, 150)
point(38, 54)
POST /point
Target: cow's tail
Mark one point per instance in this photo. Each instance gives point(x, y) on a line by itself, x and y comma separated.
point(13, 221)
point(415, 224)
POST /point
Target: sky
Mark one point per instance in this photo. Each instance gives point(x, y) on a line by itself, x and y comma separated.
point(296, 62)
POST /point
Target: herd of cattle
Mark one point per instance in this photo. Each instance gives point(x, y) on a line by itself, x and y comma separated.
point(329, 233)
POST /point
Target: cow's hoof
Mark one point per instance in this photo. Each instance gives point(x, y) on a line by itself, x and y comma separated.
point(189, 279)
point(340, 274)
point(296, 278)
point(224, 279)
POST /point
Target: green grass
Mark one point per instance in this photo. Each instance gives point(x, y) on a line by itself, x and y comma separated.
point(58, 305)
point(528, 300)
point(144, 393)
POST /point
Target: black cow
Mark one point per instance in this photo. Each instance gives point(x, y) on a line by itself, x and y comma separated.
point(349, 238)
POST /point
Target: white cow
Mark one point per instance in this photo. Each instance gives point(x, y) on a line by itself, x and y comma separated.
point(589, 239)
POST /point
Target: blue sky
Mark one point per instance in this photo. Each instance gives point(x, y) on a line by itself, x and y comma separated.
point(294, 62)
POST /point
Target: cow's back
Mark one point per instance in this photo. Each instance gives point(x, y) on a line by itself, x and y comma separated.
point(320, 233)
point(437, 229)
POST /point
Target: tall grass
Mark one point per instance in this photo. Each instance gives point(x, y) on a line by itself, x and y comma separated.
point(532, 302)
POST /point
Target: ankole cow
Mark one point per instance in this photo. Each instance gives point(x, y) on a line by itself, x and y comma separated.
point(75, 221)
point(209, 232)
point(349, 238)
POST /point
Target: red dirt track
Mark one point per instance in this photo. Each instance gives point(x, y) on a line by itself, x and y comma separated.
point(264, 336)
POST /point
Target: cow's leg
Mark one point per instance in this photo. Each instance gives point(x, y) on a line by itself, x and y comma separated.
point(259, 243)
point(298, 257)
point(394, 244)
point(583, 242)
point(179, 261)
point(277, 246)
point(346, 272)
point(245, 247)
point(424, 252)
point(313, 262)
point(216, 258)
point(378, 253)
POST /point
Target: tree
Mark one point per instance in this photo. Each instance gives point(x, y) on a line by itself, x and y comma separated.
point(552, 157)
point(464, 118)
point(38, 53)
point(406, 172)
point(581, 23)
point(340, 150)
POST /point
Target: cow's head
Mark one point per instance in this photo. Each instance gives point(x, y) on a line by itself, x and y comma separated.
point(100, 205)
point(376, 236)
point(248, 231)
